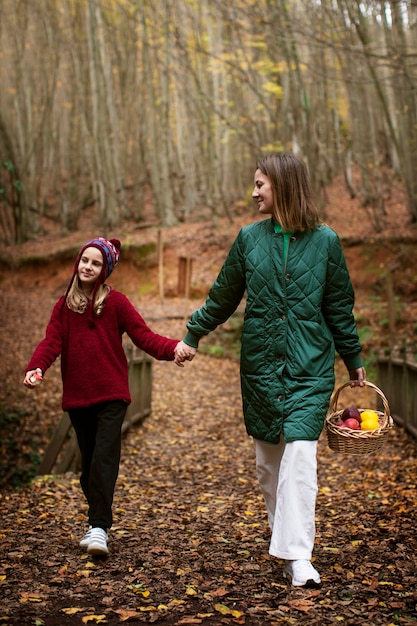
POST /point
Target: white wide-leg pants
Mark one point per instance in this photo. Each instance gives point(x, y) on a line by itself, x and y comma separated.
point(287, 474)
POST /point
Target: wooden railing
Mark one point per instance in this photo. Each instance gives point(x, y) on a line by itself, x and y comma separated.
point(397, 376)
point(62, 453)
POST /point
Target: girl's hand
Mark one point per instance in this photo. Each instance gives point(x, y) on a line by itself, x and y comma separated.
point(33, 378)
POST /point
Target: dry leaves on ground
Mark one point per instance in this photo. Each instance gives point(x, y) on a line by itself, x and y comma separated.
point(190, 541)
point(190, 538)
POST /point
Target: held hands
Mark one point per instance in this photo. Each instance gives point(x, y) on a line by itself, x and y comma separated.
point(33, 378)
point(183, 352)
point(357, 377)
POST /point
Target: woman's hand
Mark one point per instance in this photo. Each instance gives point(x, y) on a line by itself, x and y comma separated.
point(184, 352)
point(357, 377)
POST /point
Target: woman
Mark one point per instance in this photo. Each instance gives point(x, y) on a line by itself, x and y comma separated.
point(299, 302)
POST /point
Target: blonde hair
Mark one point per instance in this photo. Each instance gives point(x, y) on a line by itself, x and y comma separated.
point(77, 300)
point(294, 207)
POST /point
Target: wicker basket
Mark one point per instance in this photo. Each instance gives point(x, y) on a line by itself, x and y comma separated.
point(357, 441)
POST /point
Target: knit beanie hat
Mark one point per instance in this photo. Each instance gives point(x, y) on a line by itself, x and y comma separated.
point(110, 250)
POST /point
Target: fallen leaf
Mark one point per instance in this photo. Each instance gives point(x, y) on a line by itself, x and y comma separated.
point(126, 614)
point(98, 619)
point(27, 596)
point(221, 591)
point(225, 610)
point(72, 610)
point(302, 605)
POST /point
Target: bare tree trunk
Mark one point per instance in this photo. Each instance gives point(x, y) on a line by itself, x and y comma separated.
point(405, 89)
point(165, 161)
point(103, 101)
point(106, 182)
point(157, 124)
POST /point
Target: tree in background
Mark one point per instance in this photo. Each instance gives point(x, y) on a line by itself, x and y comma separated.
point(105, 101)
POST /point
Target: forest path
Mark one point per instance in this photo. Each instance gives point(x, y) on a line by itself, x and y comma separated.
point(190, 538)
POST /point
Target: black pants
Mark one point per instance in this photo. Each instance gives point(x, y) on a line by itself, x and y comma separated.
point(99, 434)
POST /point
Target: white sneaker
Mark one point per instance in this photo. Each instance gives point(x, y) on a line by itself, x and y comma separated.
point(98, 542)
point(301, 574)
point(86, 539)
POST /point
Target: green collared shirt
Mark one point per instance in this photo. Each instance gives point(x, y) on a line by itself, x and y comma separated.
point(286, 234)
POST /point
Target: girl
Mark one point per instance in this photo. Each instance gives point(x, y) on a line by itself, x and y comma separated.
point(299, 302)
point(86, 329)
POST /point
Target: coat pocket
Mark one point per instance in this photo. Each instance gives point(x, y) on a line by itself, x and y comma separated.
point(311, 350)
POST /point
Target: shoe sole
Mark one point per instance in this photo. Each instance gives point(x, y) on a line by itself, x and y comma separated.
point(309, 584)
point(97, 551)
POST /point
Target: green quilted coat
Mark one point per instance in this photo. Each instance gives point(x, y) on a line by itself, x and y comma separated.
point(298, 312)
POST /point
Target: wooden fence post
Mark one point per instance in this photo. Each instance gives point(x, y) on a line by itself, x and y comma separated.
point(391, 305)
point(55, 445)
point(185, 265)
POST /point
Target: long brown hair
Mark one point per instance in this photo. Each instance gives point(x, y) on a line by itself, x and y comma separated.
point(77, 300)
point(294, 206)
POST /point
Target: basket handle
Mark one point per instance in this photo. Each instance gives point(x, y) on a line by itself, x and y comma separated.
point(335, 397)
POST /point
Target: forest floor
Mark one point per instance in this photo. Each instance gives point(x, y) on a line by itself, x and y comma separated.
point(190, 538)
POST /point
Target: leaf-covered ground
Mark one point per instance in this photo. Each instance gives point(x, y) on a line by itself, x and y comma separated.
point(190, 538)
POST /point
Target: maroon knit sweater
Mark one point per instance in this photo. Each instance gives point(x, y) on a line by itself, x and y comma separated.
point(93, 362)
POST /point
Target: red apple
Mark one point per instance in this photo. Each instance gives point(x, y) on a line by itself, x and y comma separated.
point(351, 412)
point(352, 423)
